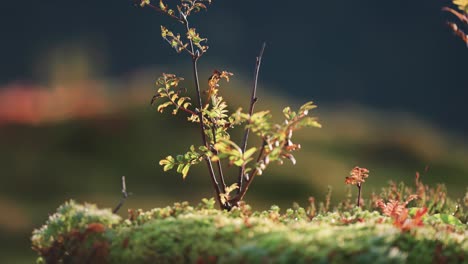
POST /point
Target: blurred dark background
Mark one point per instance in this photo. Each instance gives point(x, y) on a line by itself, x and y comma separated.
point(76, 78)
point(398, 55)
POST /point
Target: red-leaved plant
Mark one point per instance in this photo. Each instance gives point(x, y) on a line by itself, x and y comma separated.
point(400, 213)
point(357, 177)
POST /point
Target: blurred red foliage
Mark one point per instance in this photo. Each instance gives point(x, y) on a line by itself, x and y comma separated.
point(32, 104)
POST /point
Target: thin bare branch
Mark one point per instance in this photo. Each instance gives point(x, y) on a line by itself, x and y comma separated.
point(253, 100)
point(124, 196)
point(245, 188)
point(463, 17)
point(218, 163)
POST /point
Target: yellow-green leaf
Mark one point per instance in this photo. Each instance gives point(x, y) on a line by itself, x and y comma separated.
point(162, 106)
point(162, 6)
point(249, 153)
point(185, 170)
point(144, 2)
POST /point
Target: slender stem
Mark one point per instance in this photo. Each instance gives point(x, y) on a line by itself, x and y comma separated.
point(180, 43)
point(359, 195)
point(253, 100)
point(262, 151)
point(195, 57)
point(202, 131)
point(462, 16)
point(218, 163)
point(157, 9)
point(244, 189)
point(124, 196)
point(221, 175)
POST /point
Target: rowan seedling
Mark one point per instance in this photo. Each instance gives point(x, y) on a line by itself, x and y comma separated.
point(209, 110)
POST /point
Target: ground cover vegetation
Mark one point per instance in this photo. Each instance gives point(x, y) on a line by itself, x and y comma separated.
point(400, 224)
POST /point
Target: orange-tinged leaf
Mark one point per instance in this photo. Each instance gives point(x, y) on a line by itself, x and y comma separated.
point(357, 176)
point(96, 228)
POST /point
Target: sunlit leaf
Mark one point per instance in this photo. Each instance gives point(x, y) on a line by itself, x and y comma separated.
point(462, 4)
point(185, 170)
point(162, 106)
point(144, 3)
point(249, 153)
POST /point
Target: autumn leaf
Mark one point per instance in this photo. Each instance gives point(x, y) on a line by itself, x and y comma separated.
point(213, 82)
point(96, 228)
point(144, 3)
point(226, 196)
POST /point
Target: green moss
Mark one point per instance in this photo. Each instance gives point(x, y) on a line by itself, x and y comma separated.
point(186, 234)
point(75, 232)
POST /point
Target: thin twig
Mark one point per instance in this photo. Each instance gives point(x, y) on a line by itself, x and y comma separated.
point(124, 196)
point(262, 150)
point(218, 163)
point(462, 16)
point(253, 100)
point(246, 186)
point(195, 58)
point(157, 9)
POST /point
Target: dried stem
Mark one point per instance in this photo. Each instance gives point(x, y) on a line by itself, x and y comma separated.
point(195, 57)
point(253, 100)
point(124, 196)
point(359, 194)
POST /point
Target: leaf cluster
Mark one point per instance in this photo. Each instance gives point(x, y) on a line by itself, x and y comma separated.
point(193, 43)
point(167, 89)
point(183, 162)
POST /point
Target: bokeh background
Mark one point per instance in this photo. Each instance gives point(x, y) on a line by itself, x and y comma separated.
point(76, 79)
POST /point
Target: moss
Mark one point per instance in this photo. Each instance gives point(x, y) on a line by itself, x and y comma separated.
point(187, 234)
point(75, 232)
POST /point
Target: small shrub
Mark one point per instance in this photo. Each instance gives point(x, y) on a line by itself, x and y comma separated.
point(210, 111)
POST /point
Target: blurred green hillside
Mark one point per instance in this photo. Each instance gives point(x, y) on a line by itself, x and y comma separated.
point(83, 157)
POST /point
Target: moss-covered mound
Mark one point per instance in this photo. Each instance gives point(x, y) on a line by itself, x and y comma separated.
point(185, 234)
